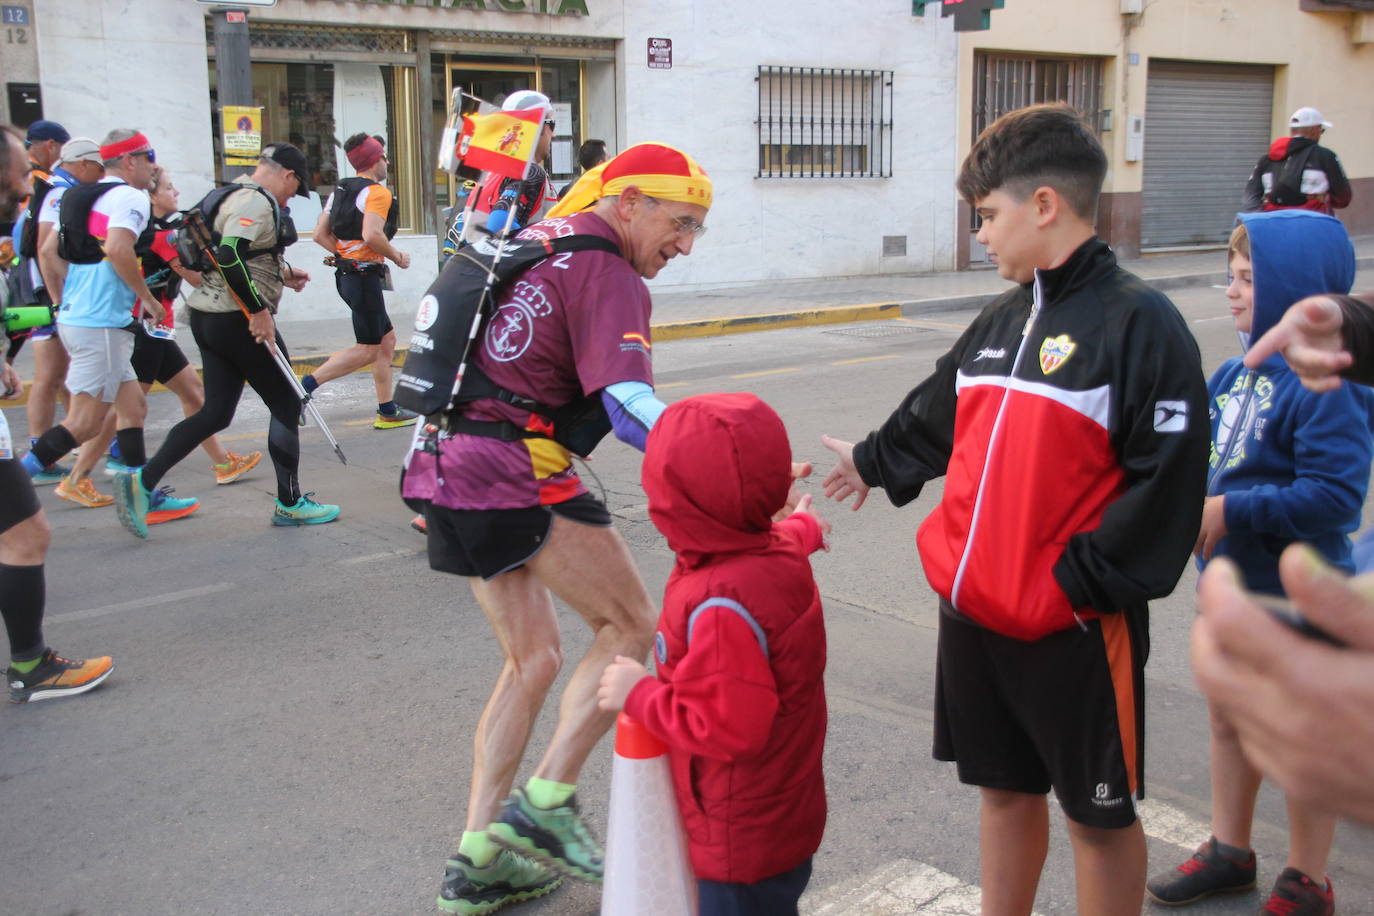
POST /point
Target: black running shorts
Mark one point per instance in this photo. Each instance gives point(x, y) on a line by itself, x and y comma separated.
point(156, 359)
point(488, 542)
point(363, 294)
point(18, 501)
point(1065, 712)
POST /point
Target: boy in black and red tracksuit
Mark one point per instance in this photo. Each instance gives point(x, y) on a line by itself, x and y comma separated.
point(1070, 424)
point(740, 652)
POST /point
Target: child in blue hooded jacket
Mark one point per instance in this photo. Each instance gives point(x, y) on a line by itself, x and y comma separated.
point(1286, 465)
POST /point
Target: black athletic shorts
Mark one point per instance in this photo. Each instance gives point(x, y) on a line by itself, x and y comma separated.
point(18, 501)
point(156, 359)
point(1065, 712)
point(363, 294)
point(488, 542)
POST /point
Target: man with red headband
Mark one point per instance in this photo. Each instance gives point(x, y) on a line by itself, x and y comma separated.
point(509, 512)
point(102, 299)
point(356, 227)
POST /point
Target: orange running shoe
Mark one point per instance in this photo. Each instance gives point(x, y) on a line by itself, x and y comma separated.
point(82, 492)
point(235, 467)
point(56, 676)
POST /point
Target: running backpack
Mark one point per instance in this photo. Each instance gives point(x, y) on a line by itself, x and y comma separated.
point(75, 244)
point(28, 235)
point(1286, 191)
point(195, 240)
point(467, 288)
point(346, 220)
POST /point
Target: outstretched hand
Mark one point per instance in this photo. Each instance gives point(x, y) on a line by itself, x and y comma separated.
point(844, 480)
point(1309, 337)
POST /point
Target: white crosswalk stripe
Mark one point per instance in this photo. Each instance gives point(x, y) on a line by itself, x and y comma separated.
point(905, 887)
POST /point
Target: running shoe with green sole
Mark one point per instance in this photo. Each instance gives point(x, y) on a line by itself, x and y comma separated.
point(556, 837)
point(305, 512)
point(508, 878)
point(53, 473)
point(131, 502)
point(395, 420)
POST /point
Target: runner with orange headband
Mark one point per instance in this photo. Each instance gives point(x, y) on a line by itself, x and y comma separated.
point(509, 512)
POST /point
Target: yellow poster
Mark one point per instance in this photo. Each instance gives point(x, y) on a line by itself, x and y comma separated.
point(242, 134)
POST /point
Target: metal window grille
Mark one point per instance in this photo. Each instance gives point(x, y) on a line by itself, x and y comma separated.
point(824, 123)
point(1006, 82)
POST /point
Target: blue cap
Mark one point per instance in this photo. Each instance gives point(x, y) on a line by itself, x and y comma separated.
point(47, 130)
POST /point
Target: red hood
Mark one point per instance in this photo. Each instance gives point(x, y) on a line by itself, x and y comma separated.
point(1284, 147)
point(716, 468)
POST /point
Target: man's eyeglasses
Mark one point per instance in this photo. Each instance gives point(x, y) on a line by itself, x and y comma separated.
point(685, 225)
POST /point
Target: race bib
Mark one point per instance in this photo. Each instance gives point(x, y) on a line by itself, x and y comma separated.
point(6, 447)
point(160, 331)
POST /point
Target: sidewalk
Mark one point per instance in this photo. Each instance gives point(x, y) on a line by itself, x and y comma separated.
point(685, 312)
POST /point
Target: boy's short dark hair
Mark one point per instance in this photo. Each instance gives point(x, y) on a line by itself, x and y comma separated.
point(1031, 147)
point(355, 141)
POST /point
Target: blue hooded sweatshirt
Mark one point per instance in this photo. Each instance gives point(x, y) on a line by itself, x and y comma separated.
point(1292, 464)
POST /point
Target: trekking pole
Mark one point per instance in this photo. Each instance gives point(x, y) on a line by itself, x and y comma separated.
point(307, 402)
point(200, 234)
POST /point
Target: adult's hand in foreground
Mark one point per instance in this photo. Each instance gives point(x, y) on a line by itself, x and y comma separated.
point(1309, 337)
point(844, 480)
point(1304, 710)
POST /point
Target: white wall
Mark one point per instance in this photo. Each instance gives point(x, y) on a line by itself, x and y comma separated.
point(798, 228)
point(131, 63)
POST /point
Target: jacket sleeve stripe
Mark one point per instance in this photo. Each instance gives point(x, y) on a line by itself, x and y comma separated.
point(735, 606)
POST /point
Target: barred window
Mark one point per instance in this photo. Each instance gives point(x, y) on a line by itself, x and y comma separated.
point(824, 123)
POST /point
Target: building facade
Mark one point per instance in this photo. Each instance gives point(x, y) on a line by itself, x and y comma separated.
point(830, 138)
point(1187, 94)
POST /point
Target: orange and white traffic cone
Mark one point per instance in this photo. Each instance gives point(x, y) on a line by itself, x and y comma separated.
point(647, 866)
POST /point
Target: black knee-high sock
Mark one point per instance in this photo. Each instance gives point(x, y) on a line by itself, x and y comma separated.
point(284, 447)
point(131, 446)
point(22, 593)
point(53, 444)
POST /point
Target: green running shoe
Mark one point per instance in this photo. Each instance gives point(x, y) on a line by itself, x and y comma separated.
point(132, 502)
point(305, 512)
point(53, 473)
point(508, 878)
point(556, 837)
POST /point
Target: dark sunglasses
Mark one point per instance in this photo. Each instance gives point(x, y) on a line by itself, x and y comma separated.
point(152, 156)
point(550, 125)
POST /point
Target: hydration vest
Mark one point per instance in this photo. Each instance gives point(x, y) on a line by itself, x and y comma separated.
point(346, 220)
point(464, 294)
point(194, 257)
point(75, 243)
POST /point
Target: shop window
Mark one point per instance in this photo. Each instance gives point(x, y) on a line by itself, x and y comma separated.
point(824, 123)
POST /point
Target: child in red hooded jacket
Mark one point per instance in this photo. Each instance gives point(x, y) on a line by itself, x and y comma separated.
point(740, 650)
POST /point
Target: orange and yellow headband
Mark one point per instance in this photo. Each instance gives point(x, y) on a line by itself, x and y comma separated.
point(657, 170)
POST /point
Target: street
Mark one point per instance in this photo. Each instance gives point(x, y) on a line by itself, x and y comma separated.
point(288, 726)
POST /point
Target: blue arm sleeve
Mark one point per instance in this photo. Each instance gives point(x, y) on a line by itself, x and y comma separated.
point(633, 409)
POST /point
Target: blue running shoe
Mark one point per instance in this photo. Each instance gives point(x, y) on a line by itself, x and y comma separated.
point(113, 467)
point(305, 512)
point(164, 507)
point(131, 502)
point(53, 473)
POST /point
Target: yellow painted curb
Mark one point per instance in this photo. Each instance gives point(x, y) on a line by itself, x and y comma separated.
point(744, 324)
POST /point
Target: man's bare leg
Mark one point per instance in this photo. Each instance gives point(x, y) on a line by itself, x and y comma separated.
point(1014, 838)
point(591, 569)
point(522, 617)
point(381, 366)
point(50, 363)
point(1109, 868)
point(345, 361)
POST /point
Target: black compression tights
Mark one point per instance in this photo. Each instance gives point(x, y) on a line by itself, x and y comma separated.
point(231, 357)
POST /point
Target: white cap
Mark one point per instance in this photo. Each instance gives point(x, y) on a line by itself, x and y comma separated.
point(1307, 117)
point(522, 99)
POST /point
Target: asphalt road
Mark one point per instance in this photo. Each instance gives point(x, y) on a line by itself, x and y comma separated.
point(288, 726)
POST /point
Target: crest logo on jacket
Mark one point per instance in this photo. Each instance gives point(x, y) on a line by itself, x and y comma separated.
point(1055, 351)
point(660, 648)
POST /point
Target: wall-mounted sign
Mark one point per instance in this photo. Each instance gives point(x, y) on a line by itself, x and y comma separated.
point(242, 125)
point(660, 54)
point(14, 15)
